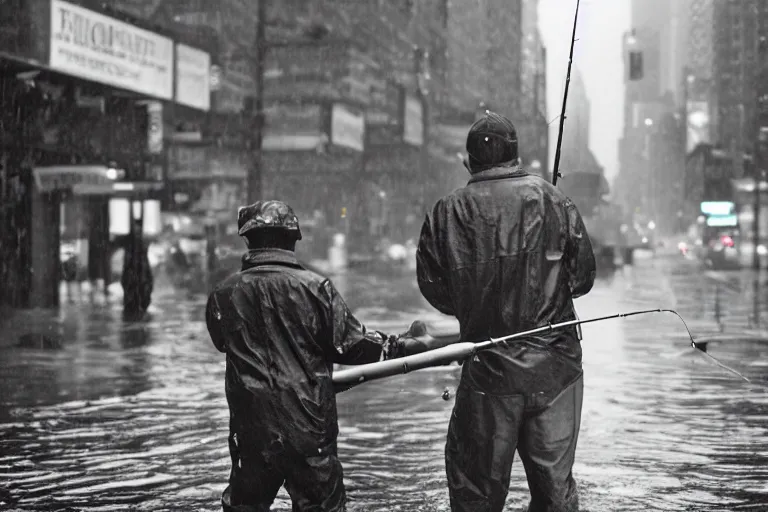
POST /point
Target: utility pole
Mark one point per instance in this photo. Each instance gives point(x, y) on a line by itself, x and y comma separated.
point(759, 153)
point(255, 178)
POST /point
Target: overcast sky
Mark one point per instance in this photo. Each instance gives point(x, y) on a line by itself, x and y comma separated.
point(598, 56)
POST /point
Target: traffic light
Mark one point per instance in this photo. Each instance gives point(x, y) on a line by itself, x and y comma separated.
point(635, 65)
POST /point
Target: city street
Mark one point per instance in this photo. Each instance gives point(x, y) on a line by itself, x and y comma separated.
point(133, 416)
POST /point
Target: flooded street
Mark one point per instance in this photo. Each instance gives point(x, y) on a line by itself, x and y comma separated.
point(133, 417)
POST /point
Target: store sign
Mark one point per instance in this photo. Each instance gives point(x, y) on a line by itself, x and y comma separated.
point(65, 177)
point(347, 128)
point(193, 77)
point(413, 122)
point(293, 128)
point(717, 208)
point(188, 162)
point(722, 221)
point(95, 47)
point(221, 197)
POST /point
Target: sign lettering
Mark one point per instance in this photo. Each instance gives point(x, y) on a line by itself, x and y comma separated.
point(90, 45)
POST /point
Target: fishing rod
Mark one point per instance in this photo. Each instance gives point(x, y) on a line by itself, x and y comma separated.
point(349, 378)
point(556, 168)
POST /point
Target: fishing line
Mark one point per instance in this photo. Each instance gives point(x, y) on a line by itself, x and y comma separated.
point(702, 350)
point(459, 351)
point(447, 395)
point(694, 345)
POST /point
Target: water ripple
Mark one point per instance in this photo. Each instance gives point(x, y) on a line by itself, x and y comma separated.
point(135, 418)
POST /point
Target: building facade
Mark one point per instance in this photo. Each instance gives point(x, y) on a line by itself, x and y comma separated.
point(494, 59)
point(364, 107)
point(651, 151)
point(81, 127)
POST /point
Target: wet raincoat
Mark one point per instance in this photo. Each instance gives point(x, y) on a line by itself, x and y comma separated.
point(282, 327)
point(504, 254)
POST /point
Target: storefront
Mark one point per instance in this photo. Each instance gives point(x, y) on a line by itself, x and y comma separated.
point(80, 113)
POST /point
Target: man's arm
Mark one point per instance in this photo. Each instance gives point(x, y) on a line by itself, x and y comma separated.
point(580, 257)
point(351, 342)
point(430, 274)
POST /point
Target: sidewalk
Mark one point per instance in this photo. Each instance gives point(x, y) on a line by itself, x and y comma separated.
point(47, 328)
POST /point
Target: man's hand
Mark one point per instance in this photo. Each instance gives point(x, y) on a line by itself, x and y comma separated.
point(395, 348)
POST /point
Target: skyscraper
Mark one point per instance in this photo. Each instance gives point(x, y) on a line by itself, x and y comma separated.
point(651, 163)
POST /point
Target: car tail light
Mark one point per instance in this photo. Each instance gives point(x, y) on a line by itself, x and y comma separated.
point(727, 241)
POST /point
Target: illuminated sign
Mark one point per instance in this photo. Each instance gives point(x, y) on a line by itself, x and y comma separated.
point(722, 220)
point(717, 208)
point(64, 177)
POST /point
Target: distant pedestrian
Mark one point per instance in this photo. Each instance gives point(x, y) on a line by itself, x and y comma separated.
point(137, 279)
point(69, 273)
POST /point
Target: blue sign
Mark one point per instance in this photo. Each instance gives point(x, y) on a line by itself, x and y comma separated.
point(722, 220)
point(717, 208)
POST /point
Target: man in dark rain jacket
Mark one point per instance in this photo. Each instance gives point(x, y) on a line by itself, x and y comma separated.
point(504, 254)
point(282, 327)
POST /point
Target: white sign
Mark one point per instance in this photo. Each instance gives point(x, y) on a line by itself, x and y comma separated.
point(347, 128)
point(95, 47)
point(293, 128)
point(193, 77)
point(64, 177)
point(413, 122)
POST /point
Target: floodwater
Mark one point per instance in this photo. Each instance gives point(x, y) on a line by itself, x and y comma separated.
point(133, 416)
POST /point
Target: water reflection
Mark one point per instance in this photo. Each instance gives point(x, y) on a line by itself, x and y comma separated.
point(134, 414)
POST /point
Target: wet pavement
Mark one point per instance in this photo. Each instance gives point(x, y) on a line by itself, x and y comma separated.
point(133, 416)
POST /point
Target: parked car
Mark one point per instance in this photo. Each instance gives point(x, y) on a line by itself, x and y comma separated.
point(716, 247)
point(722, 247)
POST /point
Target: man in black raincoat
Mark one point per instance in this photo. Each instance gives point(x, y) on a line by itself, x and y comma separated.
point(507, 253)
point(282, 328)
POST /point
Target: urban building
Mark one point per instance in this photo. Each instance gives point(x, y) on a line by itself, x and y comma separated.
point(494, 59)
point(81, 127)
point(575, 152)
point(651, 151)
point(360, 109)
point(723, 85)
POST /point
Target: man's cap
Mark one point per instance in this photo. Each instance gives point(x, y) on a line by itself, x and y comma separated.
point(492, 140)
point(267, 215)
